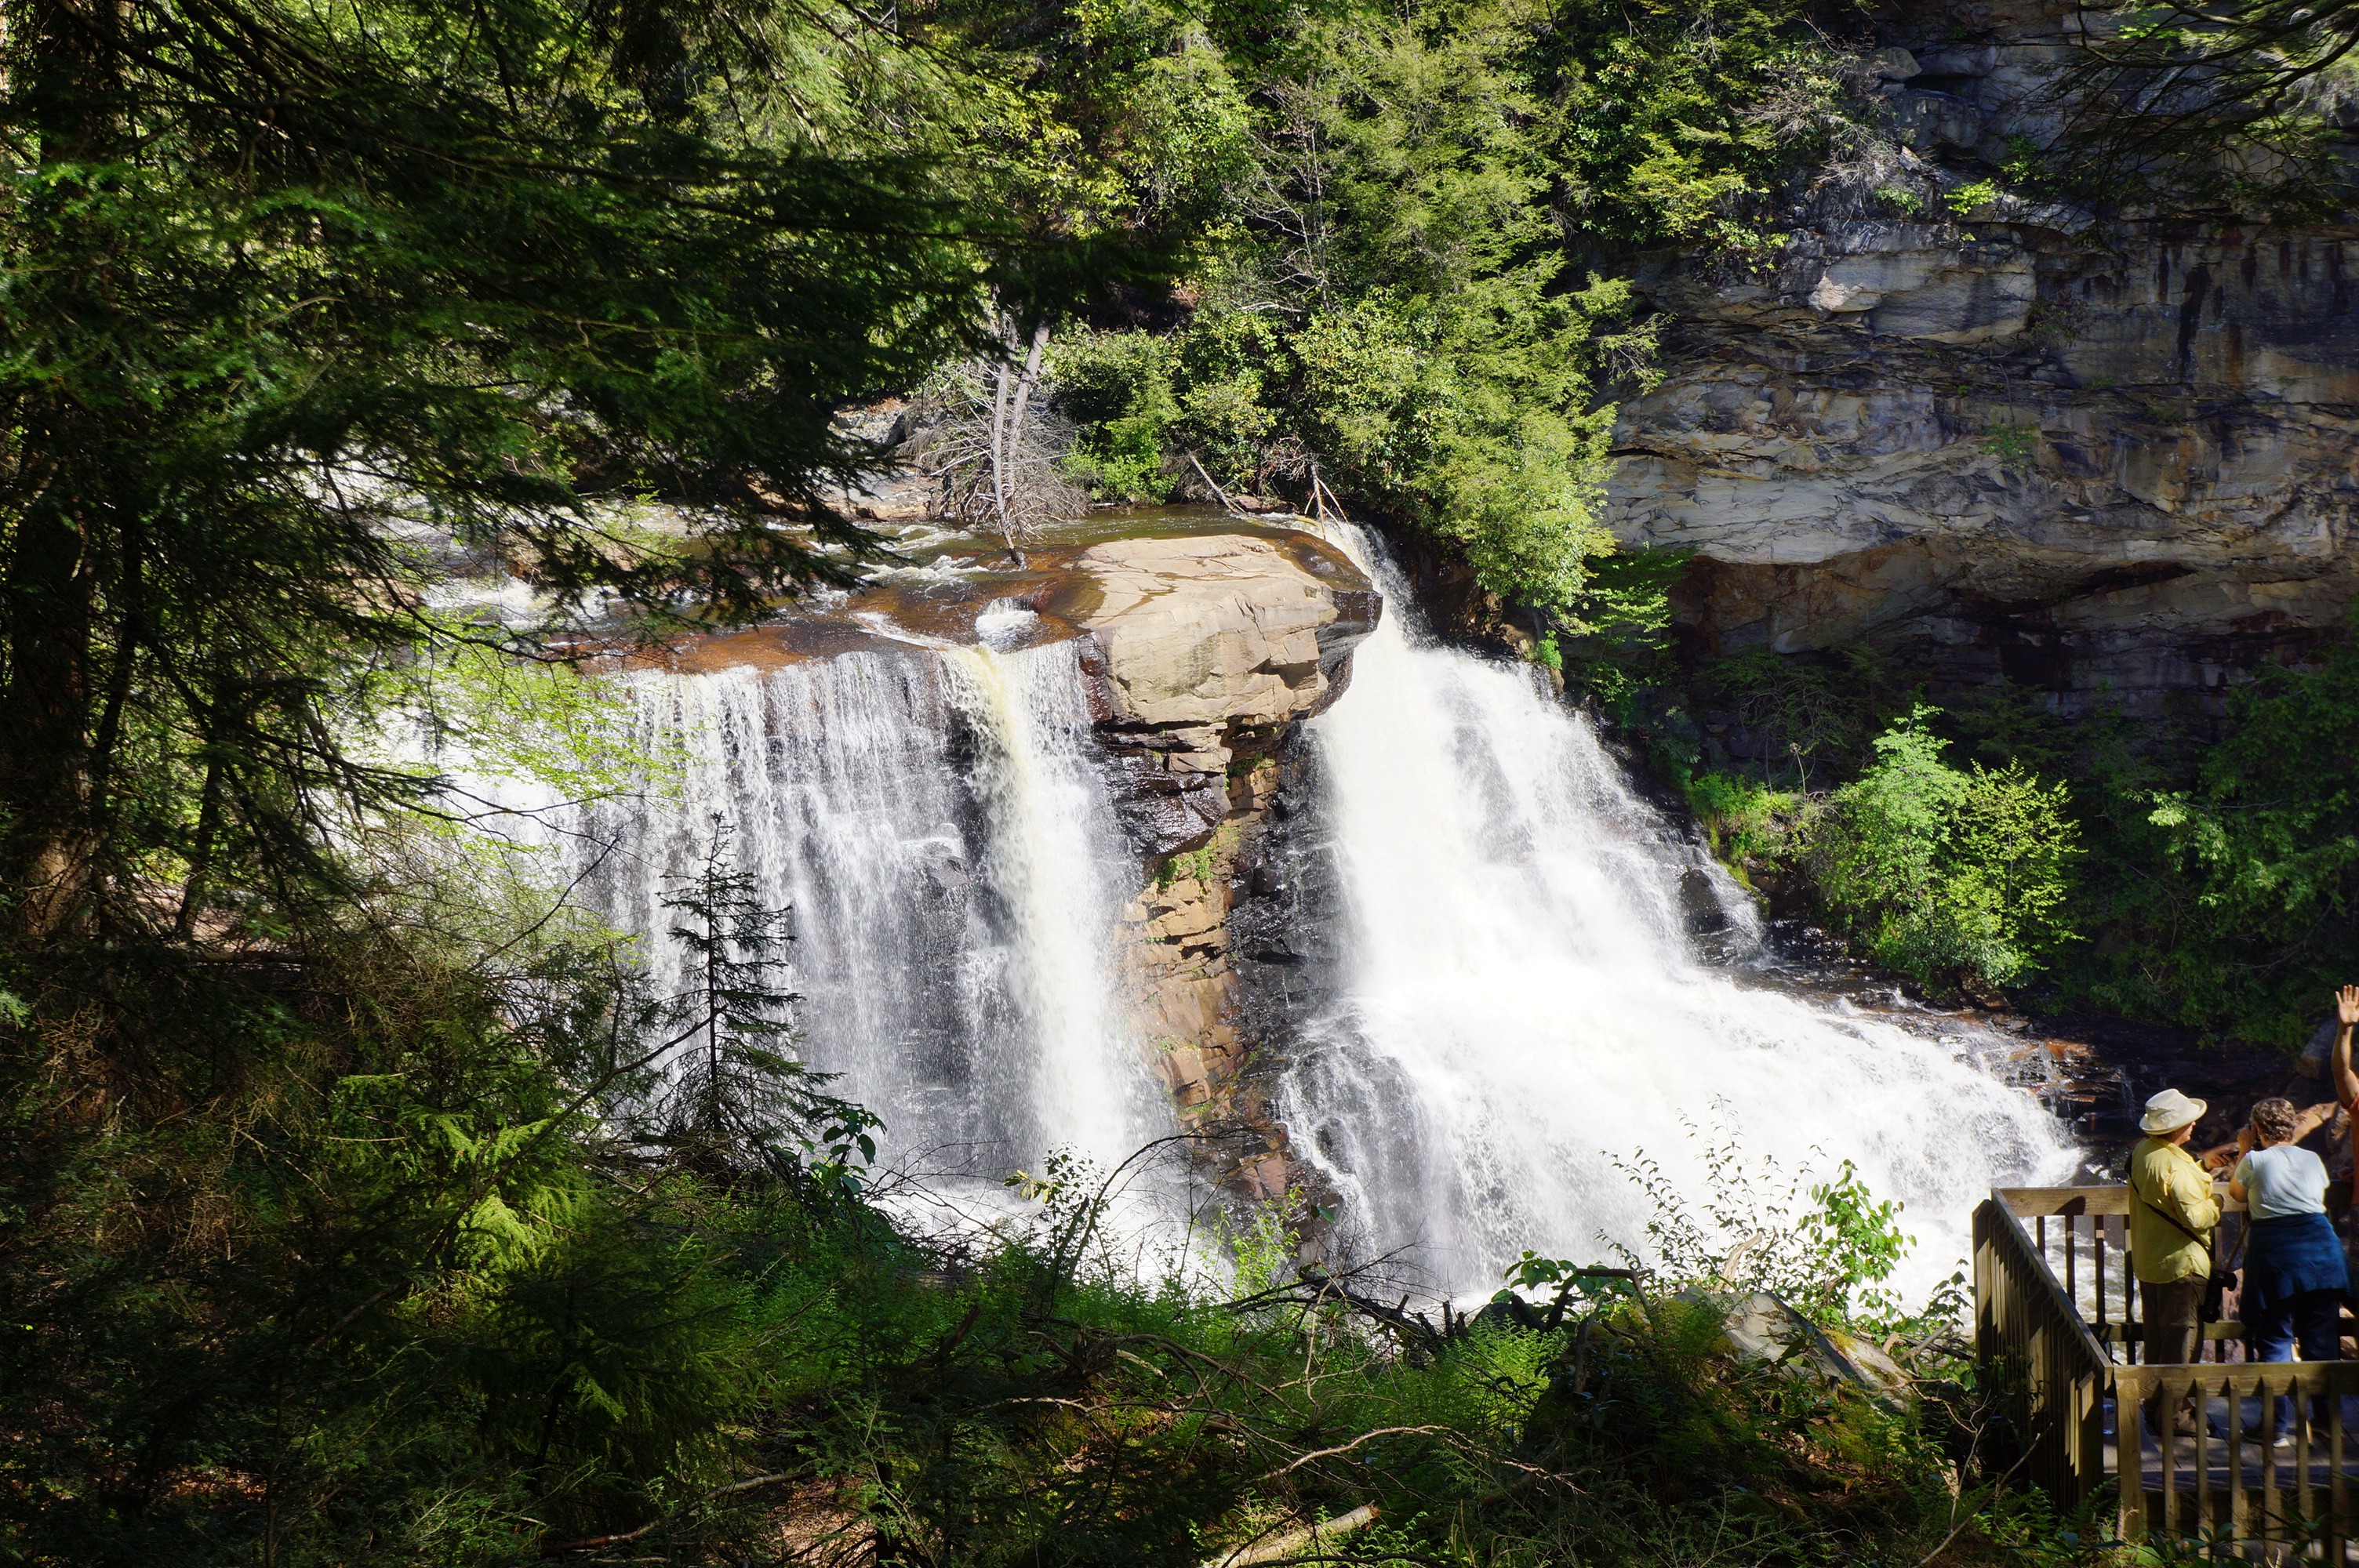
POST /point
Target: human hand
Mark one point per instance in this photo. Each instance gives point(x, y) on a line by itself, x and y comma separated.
point(2346, 1005)
point(2244, 1140)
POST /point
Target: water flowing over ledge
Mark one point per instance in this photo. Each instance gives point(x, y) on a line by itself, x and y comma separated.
point(936, 820)
point(1522, 972)
point(1520, 1001)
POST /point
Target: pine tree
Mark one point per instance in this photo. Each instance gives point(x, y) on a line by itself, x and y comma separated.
point(736, 1092)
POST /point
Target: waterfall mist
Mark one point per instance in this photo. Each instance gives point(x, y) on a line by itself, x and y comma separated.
point(1520, 1001)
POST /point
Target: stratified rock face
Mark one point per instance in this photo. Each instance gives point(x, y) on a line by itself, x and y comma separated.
point(1209, 645)
point(2117, 463)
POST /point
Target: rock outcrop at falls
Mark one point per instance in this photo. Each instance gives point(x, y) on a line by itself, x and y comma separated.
point(1209, 647)
point(2092, 458)
point(1212, 650)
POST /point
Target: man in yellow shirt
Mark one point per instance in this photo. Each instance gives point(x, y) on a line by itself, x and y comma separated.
point(2172, 1212)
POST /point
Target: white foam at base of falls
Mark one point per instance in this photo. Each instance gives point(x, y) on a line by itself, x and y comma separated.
point(1523, 1004)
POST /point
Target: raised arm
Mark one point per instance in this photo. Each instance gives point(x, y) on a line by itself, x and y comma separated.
point(2346, 1014)
point(2338, 1065)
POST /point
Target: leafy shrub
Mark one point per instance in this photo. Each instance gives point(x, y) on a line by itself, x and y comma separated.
point(1743, 818)
point(1964, 199)
point(1943, 875)
point(2235, 906)
point(1828, 1254)
point(1119, 386)
point(2011, 444)
point(1808, 713)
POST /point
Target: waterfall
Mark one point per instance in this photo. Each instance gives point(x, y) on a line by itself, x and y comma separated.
point(935, 820)
point(1502, 986)
point(1520, 1002)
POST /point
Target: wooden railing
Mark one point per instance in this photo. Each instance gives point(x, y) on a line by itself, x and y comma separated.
point(2207, 1480)
point(2082, 1237)
point(2056, 1319)
point(2028, 1334)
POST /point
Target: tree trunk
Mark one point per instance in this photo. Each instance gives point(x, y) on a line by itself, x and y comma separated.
point(1005, 446)
point(48, 581)
point(1000, 388)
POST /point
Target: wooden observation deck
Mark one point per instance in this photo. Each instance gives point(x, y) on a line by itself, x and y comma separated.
point(2056, 1317)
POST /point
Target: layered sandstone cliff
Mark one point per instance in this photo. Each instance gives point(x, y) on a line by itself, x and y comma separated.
point(2115, 461)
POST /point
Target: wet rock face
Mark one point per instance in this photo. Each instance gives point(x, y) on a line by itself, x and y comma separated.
point(1208, 647)
point(2091, 458)
point(1225, 967)
point(1288, 909)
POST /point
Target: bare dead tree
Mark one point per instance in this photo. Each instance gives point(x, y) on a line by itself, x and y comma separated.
point(998, 457)
point(1288, 194)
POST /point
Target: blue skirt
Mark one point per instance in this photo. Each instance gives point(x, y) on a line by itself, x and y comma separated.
point(2289, 1254)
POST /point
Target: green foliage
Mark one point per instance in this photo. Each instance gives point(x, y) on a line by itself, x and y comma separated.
point(2210, 888)
point(2232, 906)
point(373, 1293)
point(1617, 627)
point(1120, 385)
point(1262, 1246)
point(1827, 1255)
point(734, 1092)
point(302, 302)
point(2011, 444)
point(1201, 863)
point(1807, 715)
point(1685, 122)
point(400, 1295)
point(1942, 873)
point(1743, 818)
point(2245, 106)
point(1964, 199)
point(1391, 311)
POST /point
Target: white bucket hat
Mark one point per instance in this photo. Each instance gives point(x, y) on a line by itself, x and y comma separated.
point(2170, 1110)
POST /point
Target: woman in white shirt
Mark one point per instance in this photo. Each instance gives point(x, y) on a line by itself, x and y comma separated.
point(2294, 1277)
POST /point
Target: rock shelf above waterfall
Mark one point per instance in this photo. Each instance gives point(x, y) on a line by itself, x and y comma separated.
point(1208, 648)
point(1220, 630)
point(1206, 638)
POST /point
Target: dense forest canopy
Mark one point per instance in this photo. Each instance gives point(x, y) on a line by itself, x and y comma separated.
point(364, 1201)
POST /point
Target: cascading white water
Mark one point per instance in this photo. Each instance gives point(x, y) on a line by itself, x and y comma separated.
point(934, 821)
point(1522, 1004)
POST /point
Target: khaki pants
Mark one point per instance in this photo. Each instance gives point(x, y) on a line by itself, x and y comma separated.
point(2174, 1333)
point(2174, 1319)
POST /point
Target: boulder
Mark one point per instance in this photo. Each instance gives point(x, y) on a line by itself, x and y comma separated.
point(1205, 646)
point(1764, 1328)
point(1226, 631)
